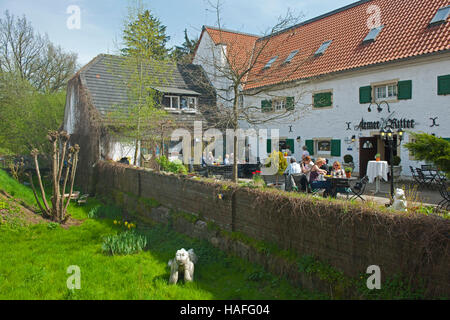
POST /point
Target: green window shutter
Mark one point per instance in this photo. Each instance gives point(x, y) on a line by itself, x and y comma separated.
point(335, 148)
point(290, 143)
point(266, 105)
point(322, 100)
point(405, 90)
point(290, 105)
point(365, 94)
point(310, 146)
point(444, 85)
point(269, 146)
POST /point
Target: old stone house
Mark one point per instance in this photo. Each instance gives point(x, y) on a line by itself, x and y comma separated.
point(97, 90)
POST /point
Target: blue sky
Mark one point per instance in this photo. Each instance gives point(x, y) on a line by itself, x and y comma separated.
point(101, 20)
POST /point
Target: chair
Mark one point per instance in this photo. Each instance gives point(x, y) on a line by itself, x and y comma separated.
point(426, 179)
point(359, 188)
point(443, 190)
point(415, 176)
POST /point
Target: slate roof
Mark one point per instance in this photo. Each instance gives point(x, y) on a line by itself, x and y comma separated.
point(406, 34)
point(105, 78)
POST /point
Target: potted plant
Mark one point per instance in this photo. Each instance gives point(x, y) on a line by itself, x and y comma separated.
point(378, 157)
point(348, 172)
point(348, 161)
point(397, 167)
point(281, 165)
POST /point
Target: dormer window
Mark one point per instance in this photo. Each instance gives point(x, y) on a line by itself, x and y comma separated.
point(180, 103)
point(271, 61)
point(291, 56)
point(373, 34)
point(323, 48)
point(441, 16)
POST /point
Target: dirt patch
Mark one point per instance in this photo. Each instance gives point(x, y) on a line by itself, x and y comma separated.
point(12, 209)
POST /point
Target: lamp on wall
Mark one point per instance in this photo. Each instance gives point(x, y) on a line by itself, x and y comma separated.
point(351, 139)
point(299, 139)
point(379, 106)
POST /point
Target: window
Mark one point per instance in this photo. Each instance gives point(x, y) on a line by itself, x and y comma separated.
point(386, 92)
point(323, 146)
point(271, 61)
point(373, 34)
point(323, 48)
point(171, 102)
point(291, 56)
point(180, 103)
point(188, 103)
point(441, 16)
point(280, 104)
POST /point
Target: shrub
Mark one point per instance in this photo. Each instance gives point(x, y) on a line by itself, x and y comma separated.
point(348, 158)
point(107, 212)
point(348, 169)
point(175, 166)
point(124, 243)
point(396, 161)
point(282, 162)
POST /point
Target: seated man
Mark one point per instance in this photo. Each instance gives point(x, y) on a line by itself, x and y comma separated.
point(293, 168)
point(306, 166)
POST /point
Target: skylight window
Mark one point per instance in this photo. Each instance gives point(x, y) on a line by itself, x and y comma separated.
point(291, 56)
point(373, 34)
point(271, 61)
point(323, 48)
point(441, 16)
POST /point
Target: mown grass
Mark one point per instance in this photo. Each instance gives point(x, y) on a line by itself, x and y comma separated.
point(34, 261)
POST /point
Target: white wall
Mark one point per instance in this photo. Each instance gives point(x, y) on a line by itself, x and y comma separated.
point(316, 123)
point(207, 53)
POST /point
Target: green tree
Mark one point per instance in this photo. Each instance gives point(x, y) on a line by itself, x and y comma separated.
point(145, 35)
point(185, 52)
point(143, 65)
point(26, 114)
point(429, 148)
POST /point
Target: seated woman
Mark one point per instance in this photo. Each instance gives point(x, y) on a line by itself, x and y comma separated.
point(337, 170)
point(293, 168)
point(314, 176)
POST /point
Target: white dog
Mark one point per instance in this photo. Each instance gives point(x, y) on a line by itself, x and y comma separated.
point(184, 263)
point(400, 203)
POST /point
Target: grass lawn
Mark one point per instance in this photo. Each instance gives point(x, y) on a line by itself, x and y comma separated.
point(34, 260)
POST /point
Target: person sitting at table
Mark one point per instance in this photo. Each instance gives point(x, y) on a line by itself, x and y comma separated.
point(293, 168)
point(210, 159)
point(306, 166)
point(314, 181)
point(226, 161)
point(337, 170)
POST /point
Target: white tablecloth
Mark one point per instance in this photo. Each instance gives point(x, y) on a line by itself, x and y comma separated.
point(377, 169)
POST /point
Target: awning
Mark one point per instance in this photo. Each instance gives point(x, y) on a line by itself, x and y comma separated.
point(176, 91)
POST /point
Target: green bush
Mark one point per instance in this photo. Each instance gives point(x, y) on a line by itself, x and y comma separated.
point(124, 243)
point(396, 161)
point(348, 158)
point(106, 212)
point(175, 166)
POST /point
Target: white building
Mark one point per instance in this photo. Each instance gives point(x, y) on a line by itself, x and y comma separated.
point(392, 57)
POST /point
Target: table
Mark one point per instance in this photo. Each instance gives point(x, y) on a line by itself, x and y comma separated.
point(377, 170)
point(339, 182)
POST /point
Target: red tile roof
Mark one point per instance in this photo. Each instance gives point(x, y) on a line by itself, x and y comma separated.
point(406, 34)
point(239, 45)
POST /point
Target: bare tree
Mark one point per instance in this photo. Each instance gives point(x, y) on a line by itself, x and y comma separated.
point(234, 66)
point(59, 200)
point(32, 56)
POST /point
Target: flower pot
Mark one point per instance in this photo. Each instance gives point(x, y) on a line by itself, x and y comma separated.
point(378, 159)
point(348, 174)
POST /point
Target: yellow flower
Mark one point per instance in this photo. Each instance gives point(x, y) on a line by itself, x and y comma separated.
point(115, 222)
point(129, 226)
point(126, 222)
